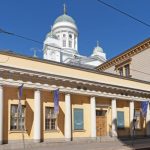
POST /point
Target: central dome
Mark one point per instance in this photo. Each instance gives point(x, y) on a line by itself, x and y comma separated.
point(65, 18)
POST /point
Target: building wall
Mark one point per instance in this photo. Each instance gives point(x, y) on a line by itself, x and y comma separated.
point(140, 65)
point(45, 67)
point(111, 70)
point(77, 101)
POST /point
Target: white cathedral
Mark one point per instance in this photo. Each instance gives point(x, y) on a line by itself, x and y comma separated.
point(61, 45)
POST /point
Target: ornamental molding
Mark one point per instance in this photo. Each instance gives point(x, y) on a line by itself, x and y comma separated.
point(46, 87)
point(79, 84)
point(125, 55)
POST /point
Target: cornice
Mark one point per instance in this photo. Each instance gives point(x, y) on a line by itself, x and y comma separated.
point(44, 87)
point(45, 77)
point(125, 55)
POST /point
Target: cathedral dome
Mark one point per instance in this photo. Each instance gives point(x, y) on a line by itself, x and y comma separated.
point(97, 49)
point(64, 21)
point(65, 18)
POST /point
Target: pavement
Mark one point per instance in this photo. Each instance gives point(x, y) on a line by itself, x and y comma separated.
point(138, 144)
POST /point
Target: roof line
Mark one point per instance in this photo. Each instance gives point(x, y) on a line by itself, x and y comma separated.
point(129, 52)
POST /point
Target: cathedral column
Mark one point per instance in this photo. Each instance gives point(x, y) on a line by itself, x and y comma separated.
point(68, 117)
point(114, 117)
point(93, 117)
point(37, 116)
point(131, 116)
point(1, 114)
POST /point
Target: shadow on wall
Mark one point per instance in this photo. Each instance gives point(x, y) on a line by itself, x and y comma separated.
point(61, 120)
point(29, 118)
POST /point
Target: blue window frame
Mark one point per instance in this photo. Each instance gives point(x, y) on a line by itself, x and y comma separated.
point(78, 119)
point(120, 119)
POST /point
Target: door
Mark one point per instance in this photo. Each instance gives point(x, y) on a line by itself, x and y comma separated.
point(101, 123)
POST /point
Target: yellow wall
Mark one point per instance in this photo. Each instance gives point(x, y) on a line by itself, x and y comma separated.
point(77, 101)
point(82, 102)
point(45, 67)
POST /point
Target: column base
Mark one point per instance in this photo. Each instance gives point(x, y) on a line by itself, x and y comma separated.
point(1, 142)
point(37, 140)
point(67, 139)
point(93, 138)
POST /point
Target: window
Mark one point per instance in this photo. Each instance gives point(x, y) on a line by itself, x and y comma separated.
point(138, 119)
point(17, 121)
point(120, 119)
point(127, 70)
point(70, 36)
point(121, 71)
point(101, 112)
point(50, 119)
point(78, 119)
point(64, 35)
point(70, 43)
point(64, 43)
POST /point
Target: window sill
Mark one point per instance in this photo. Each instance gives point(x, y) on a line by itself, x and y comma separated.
point(79, 130)
point(51, 131)
point(17, 131)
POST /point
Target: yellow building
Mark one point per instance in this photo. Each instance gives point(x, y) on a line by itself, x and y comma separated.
point(91, 103)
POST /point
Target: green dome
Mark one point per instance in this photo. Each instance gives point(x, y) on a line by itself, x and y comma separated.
point(64, 18)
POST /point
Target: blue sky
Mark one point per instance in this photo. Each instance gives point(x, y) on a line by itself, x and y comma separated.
point(115, 32)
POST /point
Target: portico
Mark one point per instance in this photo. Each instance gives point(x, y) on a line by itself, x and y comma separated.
point(85, 96)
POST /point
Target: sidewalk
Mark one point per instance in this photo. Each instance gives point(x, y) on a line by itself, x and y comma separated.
point(80, 145)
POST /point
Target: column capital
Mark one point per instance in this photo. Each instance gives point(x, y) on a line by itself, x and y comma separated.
point(113, 98)
point(92, 97)
point(37, 89)
point(67, 93)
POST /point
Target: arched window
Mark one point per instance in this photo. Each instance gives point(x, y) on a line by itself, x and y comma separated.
point(70, 36)
point(70, 40)
point(64, 40)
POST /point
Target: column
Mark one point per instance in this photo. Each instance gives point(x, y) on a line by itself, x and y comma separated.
point(148, 121)
point(1, 114)
point(37, 116)
point(114, 118)
point(67, 117)
point(93, 117)
point(131, 117)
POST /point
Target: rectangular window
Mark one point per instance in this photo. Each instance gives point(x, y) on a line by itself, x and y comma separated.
point(127, 70)
point(70, 44)
point(64, 43)
point(138, 119)
point(17, 122)
point(120, 119)
point(120, 71)
point(50, 119)
point(78, 119)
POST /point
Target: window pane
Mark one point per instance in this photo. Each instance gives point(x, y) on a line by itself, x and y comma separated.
point(120, 119)
point(70, 44)
point(127, 70)
point(121, 71)
point(50, 119)
point(17, 122)
point(78, 119)
point(64, 43)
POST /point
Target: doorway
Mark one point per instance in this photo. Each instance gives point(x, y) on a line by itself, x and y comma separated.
point(101, 123)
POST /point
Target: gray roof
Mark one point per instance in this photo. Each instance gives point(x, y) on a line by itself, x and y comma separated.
point(64, 18)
